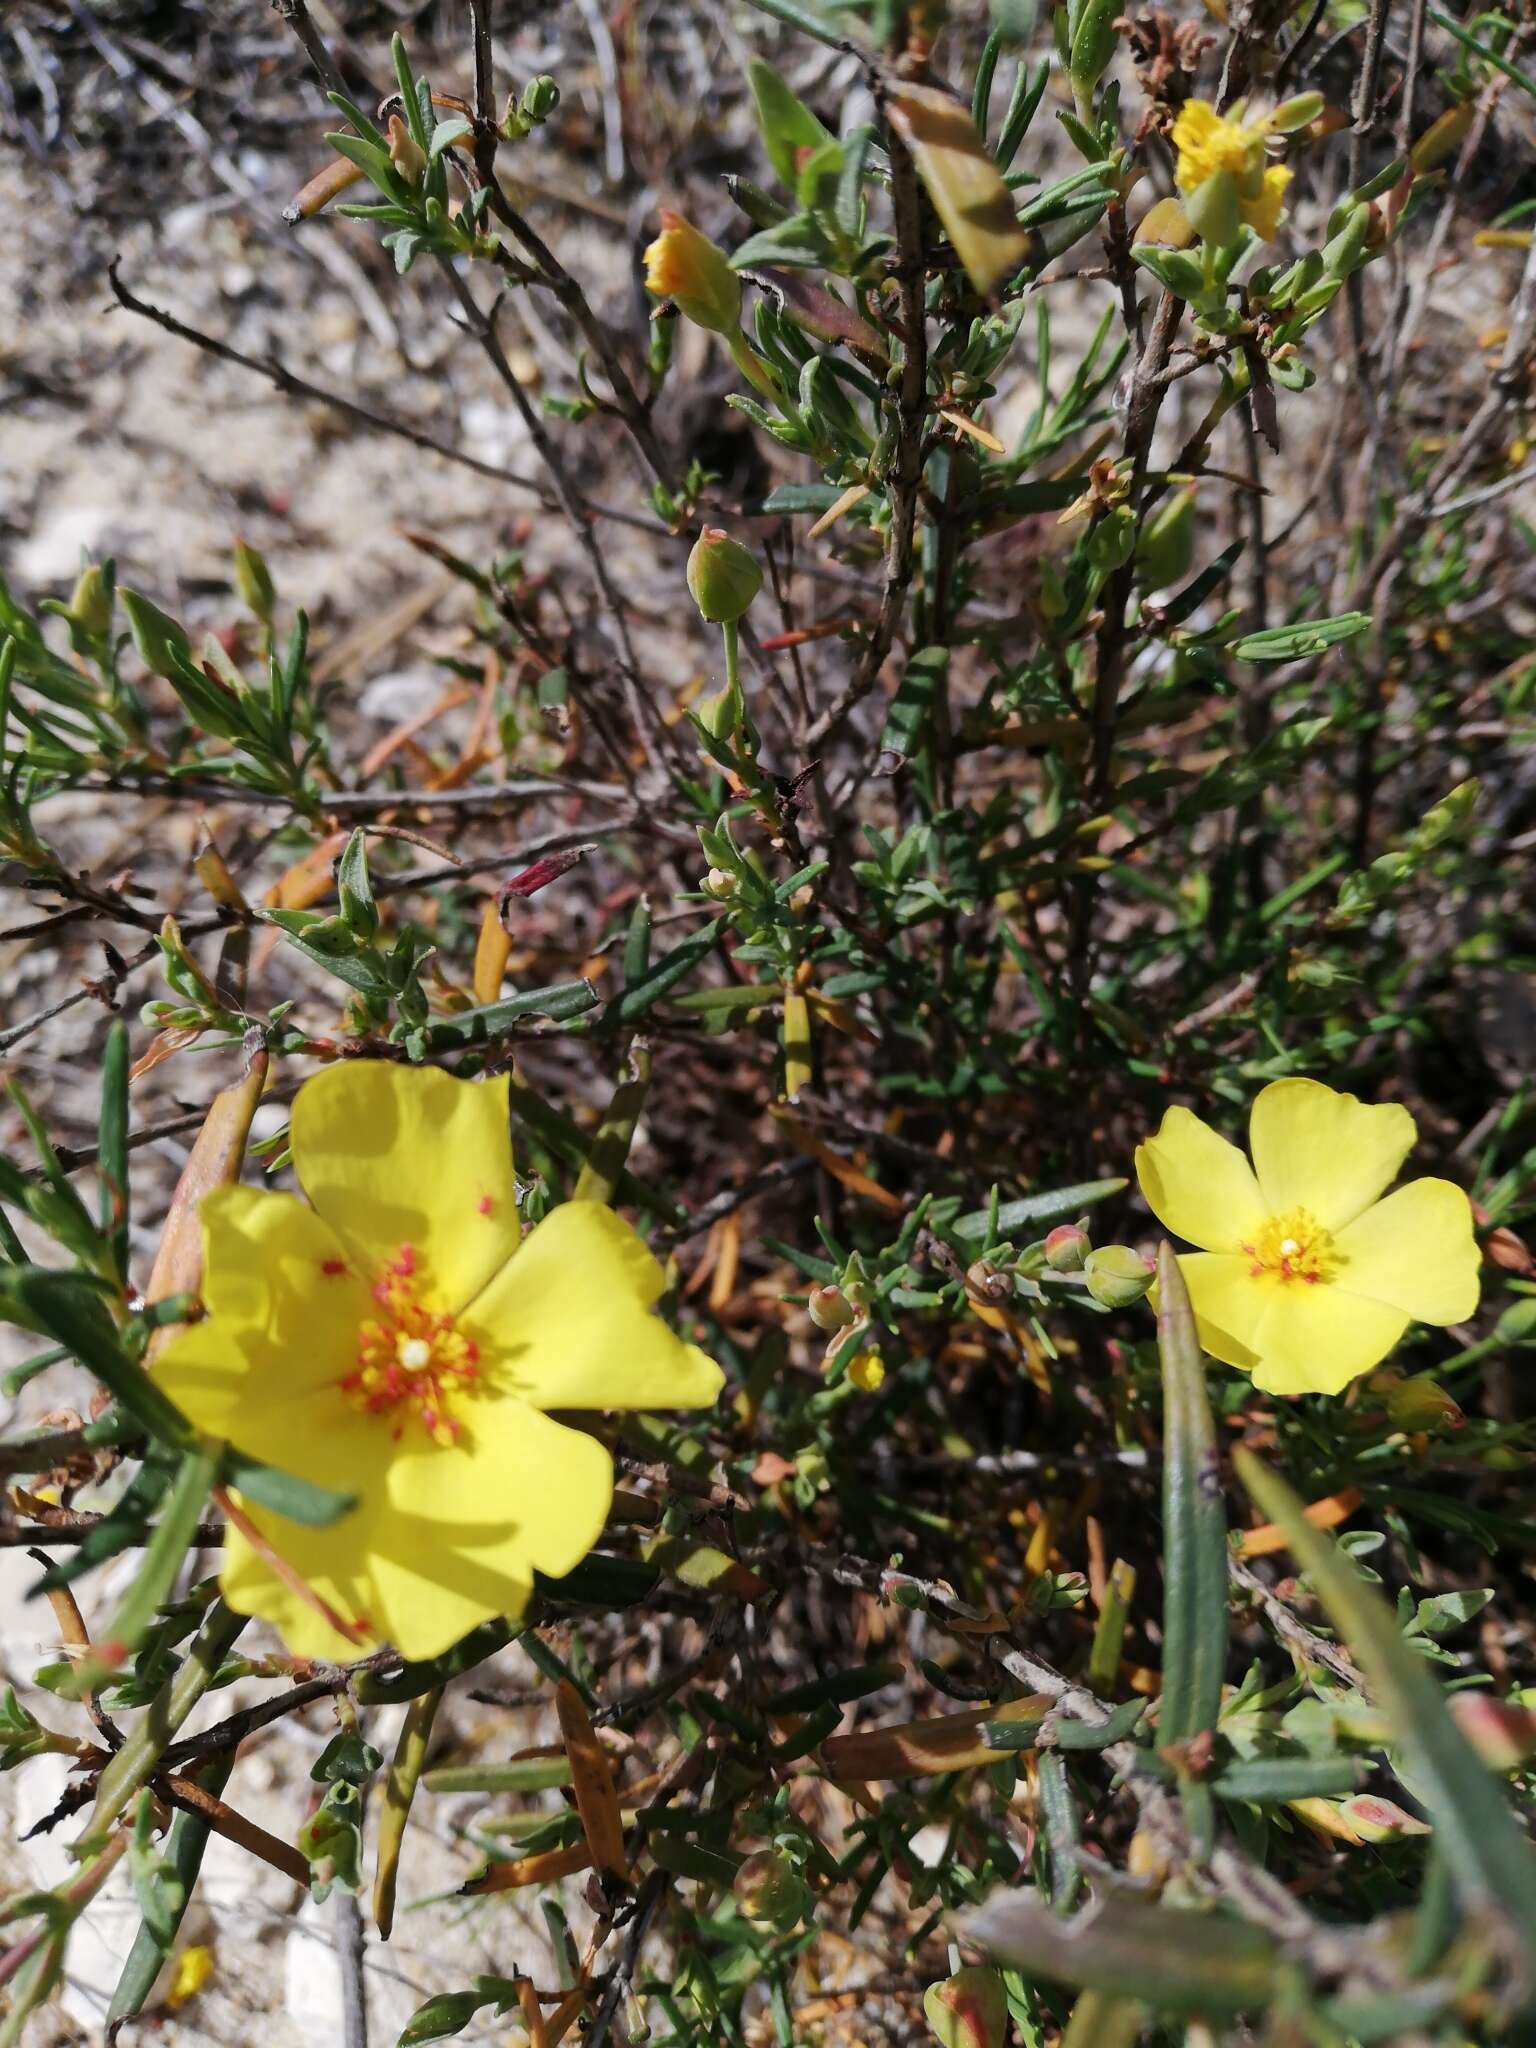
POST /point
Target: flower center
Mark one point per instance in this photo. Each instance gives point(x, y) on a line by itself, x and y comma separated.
point(1293, 1247)
point(410, 1356)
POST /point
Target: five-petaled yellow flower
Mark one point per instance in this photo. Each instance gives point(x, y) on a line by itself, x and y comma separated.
point(392, 1339)
point(1308, 1276)
point(1211, 145)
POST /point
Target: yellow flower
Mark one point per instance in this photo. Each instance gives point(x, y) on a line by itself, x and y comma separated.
point(1210, 145)
point(1306, 1277)
point(391, 1339)
point(193, 1968)
point(867, 1372)
point(684, 266)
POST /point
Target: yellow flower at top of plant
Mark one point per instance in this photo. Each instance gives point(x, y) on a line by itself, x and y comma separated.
point(393, 1339)
point(1309, 1272)
point(1213, 146)
point(686, 267)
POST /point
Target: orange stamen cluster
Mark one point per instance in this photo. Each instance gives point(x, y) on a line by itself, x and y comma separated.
point(411, 1356)
point(1294, 1247)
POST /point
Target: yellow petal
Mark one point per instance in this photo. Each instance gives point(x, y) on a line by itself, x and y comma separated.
point(334, 1561)
point(1315, 1340)
point(1197, 1185)
point(1415, 1251)
point(1329, 1153)
point(394, 1155)
point(283, 1301)
point(567, 1323)
point(448, 1537)
point(1198, 121)
point(473, 1521)
point(1263, 212)
point(1228, 1304)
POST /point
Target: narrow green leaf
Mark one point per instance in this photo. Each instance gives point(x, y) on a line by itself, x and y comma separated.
point(1047, 1207)
point(297, 1500)
point(1489, 1855)
point(66, 1306)
point(112, 1144)
point(1194, 1522)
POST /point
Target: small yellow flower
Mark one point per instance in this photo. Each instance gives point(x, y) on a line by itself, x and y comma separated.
point(1307, 1277)
point(867, 1372)
point(684, 266)
point(192, 1970)
point(1210, 145)
point(392, 1339)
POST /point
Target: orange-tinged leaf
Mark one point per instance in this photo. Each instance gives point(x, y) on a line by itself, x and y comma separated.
point(214, 1163)
point(1322, 1514)
point(321, 189)
point(164, 1046)
point(592, 1782)
point(916, 1749)
point(963, 181)
point(840, 1169)
point(726, 1237)
point(493, 949)
point(407, 729)
point(541, 1869)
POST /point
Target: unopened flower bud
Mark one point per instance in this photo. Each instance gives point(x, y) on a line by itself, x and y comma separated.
point(969, 2009)
point(719, 884)
point(1167, 543)
point(867, 1372)
point(1421, 1403)
point(253, 580)
point(1501, 1731)
point(684, 266)
point(1300, 111)
point(541, 96)
point(830, 1308)
point(1117, 1275)
point(1375, 1819)
point(1212, 209)
point(1113, 539)
point(1066, 1247)
point(162, 645)
point(89, 606)
point(723, 576)
point(405, 152)
point(770, 1891)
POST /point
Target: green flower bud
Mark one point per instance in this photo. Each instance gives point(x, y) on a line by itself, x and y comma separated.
point(90, 606)
point(1298, 112)
point(1117, 1275)
point(723, 576)
point(968, 2010)
point(162, 645)
point(1066, 1247)
point(1212, 209)
point(1112, 540)
point(541, 96)
point(719, 884)
point(1167, 544)
point(830, 1308)
point(1421, 1403)
point(253, 580)
point(770, 1891)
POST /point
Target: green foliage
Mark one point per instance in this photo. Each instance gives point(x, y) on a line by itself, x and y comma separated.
point(1092, 725)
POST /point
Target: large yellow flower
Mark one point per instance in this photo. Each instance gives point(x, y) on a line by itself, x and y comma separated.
point(1211, 146)
point(1308, 1278)
point(392, 1339)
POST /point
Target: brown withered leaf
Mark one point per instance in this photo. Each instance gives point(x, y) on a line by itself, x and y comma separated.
point(597, 1800)
point(916, 1749)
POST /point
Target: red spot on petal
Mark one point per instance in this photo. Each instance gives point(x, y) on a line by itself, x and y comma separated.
point(331, 1267)
point(485, 1205)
